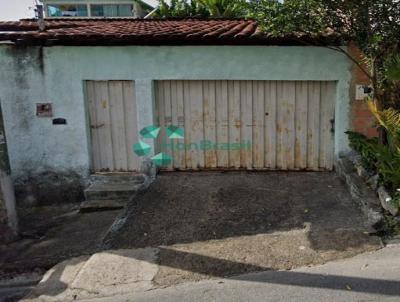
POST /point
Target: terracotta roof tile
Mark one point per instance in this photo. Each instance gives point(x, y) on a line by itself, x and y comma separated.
point(148, 32)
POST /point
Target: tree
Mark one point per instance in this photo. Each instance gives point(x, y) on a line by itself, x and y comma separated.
point(374, 25)
point(202, 9)
point(225, 8)
point(181, 9)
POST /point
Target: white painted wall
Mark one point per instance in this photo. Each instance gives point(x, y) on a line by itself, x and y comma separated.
point(56, 74)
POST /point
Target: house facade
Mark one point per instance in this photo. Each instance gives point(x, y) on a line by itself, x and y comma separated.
point(94, 8)
point(76, 97)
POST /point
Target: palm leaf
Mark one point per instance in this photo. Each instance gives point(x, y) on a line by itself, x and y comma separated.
point(392, 68)
point(390, 120)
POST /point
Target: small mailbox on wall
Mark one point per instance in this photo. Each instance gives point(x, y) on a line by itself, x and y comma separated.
point(363, 92)
point(44, 109)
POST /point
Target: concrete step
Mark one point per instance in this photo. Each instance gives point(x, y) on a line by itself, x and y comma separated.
point(101, 205)
point(112, 191)
point(136, 178)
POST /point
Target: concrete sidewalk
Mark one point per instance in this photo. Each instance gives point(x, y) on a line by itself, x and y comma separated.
point(133, 271)
point(373, 276)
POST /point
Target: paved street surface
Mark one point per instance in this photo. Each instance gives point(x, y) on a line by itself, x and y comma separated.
point(373, 276)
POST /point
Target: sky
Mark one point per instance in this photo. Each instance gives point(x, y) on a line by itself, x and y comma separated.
point(17, 9)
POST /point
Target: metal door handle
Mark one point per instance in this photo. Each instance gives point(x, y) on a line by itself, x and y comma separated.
point(97, 126)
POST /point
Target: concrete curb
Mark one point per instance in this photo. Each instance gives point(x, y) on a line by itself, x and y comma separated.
point(365, 197)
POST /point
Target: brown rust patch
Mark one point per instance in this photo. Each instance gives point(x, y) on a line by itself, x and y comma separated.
point(210, 159)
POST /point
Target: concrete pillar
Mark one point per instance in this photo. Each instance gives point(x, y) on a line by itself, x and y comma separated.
point(89, 10)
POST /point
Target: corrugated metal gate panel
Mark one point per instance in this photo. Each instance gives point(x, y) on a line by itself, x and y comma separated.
point(113, 123)
point(248, 124)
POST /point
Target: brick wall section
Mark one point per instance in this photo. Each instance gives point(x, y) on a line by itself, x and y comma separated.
point(361, 119)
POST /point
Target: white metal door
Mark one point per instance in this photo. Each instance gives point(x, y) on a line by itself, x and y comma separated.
point(113, 123)
point(284, 125)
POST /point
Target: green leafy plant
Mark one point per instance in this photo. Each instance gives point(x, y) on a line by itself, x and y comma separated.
point(389, 119)
point(377, 157)
point(366, 147)
point(225, 8)
point(392, 80)
point(181, 9)
point(392, 68)
point(390, 227)
point(373, 25)
point(202, 9)
point(396, 199)
point(388, 166)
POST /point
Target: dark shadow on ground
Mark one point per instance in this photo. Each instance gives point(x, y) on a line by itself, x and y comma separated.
point(54, 236)
point(192, 207)
point(362, 285)
point(218, 267)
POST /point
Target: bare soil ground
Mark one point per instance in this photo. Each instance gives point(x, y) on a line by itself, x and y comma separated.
point(221, 224)
point(52, 234)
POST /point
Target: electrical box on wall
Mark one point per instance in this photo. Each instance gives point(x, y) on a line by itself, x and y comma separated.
point(44, 110)
point(363, 92)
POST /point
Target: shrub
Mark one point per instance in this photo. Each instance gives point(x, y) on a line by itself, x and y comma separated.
point(388, 166)
point(380, 158)
point(366, 147)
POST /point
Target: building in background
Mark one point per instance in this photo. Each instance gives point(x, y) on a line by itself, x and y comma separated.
point(96, 8)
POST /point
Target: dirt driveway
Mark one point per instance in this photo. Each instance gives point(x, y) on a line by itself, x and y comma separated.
point(220, 224)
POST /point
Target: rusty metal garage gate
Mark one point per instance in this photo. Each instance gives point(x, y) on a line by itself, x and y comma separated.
point(285, 125)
